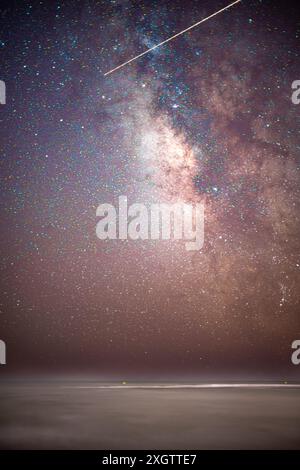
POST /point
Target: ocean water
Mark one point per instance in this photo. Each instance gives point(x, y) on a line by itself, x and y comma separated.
point(148, 416)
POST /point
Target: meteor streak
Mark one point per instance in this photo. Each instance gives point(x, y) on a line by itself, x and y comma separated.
point(172, 37)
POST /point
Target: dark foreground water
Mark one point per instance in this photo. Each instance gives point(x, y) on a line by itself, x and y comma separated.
point(77, 416)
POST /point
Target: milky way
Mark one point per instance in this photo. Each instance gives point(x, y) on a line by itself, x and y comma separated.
point(205, 118)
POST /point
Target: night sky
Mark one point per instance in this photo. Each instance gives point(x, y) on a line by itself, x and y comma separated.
point(206, 118)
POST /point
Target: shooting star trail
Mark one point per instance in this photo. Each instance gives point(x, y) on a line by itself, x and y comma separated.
point(171, 38)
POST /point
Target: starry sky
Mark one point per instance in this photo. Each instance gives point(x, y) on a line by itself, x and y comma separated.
point(206, 118)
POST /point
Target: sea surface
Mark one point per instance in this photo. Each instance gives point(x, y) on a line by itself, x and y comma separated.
point(93, 415)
